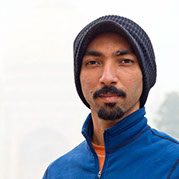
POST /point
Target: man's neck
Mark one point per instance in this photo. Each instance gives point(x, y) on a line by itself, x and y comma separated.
point(100, 125)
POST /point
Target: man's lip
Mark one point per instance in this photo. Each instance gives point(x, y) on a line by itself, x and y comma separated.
point(109, 98)
point(108, 95)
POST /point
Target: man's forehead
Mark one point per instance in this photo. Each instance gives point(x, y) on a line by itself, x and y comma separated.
point(115, 53)
point(121, 45)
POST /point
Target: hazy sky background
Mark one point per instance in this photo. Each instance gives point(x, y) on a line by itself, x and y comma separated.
point(41, 114)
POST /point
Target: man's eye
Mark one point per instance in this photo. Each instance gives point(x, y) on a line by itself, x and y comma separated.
point(126, 61)
point(92, 62)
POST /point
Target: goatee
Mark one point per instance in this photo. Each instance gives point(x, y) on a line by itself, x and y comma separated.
point(111, 115)
point(110, 111)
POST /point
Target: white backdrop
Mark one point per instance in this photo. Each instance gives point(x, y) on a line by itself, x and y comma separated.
point(41, 114)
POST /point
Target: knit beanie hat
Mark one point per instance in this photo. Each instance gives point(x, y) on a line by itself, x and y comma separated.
point(136, 36)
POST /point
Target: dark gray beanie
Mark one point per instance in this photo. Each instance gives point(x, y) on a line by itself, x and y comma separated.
point(133, 33)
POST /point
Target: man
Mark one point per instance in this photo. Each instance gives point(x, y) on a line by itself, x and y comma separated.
point(115, 69)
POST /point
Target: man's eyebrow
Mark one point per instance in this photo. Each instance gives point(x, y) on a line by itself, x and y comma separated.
point(124, 52)
point(93, 53)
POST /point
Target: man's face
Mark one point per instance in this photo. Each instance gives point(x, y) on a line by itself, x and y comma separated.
point(110, 77)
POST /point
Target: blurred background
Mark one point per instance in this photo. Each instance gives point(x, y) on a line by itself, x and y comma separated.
point(41, 114)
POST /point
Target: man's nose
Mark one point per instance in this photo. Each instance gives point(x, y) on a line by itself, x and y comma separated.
point(109, 75)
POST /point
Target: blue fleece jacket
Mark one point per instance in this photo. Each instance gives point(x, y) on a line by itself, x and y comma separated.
point(133, 151)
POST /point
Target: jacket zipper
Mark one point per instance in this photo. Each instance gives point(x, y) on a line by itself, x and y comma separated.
point(99, 174)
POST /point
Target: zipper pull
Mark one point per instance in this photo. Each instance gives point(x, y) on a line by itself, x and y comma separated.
point(99, 174)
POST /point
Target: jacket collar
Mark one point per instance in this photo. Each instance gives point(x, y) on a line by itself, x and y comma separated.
point(120, 134)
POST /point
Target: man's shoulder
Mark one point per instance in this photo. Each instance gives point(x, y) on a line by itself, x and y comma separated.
point(160, 149)
point(166, 143)
point(67, 161)
point(164, 136)
point(71, 155)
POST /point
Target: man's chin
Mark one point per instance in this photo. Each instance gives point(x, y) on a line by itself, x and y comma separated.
point(110, 114)
point(110, 105)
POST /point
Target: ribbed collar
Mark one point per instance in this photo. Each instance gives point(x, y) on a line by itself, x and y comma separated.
point(120, 134)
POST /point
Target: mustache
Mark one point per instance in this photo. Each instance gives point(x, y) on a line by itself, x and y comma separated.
point(109, 89)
